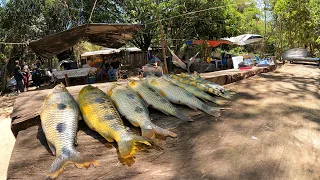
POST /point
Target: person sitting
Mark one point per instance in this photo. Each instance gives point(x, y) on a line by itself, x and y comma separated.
point(112, 73)
point(154, 60)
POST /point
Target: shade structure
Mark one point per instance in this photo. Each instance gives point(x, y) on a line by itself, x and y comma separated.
point(244, 39)
point(101, 52)
point(107, 35)
point(212, 43)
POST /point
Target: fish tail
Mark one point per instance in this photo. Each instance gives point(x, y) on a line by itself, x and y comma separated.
point(229, 93)
point(150, 133)
point(128, 147)
point(213, 111)
point(182, 116)
point(61, 162)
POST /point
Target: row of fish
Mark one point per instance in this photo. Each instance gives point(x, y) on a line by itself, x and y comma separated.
point(101, 112)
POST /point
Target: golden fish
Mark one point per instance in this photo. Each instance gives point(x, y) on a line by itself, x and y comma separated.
point(100, 115)
point(59, 119)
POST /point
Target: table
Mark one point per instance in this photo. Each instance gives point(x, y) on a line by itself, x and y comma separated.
point(157, 70)
point(73, 72)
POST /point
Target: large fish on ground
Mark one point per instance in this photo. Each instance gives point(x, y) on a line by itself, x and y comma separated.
point(194, 90)
point(178, 95)
point(131, 106)
point(201, 86)
point(155, 100)
point(59, 119)
point(100, 115)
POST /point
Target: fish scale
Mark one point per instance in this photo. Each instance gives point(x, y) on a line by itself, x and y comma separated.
point(59, 121)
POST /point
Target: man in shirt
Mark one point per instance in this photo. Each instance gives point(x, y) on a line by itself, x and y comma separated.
point(113, 70)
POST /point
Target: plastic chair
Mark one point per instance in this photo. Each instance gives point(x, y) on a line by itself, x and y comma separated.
point(222, 62)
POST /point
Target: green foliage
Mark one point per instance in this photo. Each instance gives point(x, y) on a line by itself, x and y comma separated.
point(296, 24)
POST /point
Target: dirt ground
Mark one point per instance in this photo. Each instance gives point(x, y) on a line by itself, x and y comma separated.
point(271, 132)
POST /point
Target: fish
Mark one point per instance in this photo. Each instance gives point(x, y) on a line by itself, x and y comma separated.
point(201, 86)
point(100, 114)
point(59, 120)
point(196, 76)
point(152, 98)
point(132, 108)
point(194, 90)
point(178, 95)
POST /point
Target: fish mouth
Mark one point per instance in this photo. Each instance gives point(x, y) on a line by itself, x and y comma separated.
point(60, 87)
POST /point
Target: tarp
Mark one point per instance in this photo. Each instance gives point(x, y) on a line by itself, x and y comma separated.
point(107, 35)
point(112, 51)
point(244, 39)
point(100, 52)
point(212, 43)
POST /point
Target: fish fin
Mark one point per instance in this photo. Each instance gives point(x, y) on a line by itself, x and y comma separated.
point(196, 74)
point(218, 101)
point(154, 82)
point(230, 92)
point(107, 137)
point(203, 99)
point(129, 146)
point(192, 107)
point(162, 93)
point(144, 102)
point(75, 141)
point(183, 117)
point(52, 148)
point(150, 133)
point(213, 111)
point(115, 104)
point(61, 162)
point(132, 83)
point(135, 124)
point(164, 112)
point(226, 96)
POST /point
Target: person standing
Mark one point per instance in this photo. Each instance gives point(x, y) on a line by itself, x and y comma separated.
point(18, 77)
point(36, 77)
point(26, 76)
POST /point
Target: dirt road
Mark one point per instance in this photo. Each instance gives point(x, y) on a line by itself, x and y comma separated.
point(271, 132)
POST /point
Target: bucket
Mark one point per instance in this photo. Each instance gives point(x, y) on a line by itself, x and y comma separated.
point(236, 60)
point(91, 79)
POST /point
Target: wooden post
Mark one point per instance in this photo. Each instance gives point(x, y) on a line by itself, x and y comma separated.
point(67, 80)
point(162, 43)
